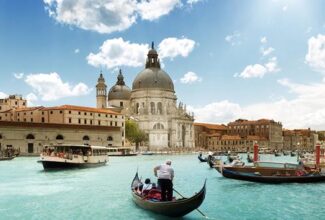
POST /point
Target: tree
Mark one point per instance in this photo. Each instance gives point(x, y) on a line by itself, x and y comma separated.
point(133, 133)
point(321, 136)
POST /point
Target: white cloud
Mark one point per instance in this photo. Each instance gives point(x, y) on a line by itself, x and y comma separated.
point(315, 56)
point(31, 98)
point(117, 52)
point(190, 77)
point(3, 95)
point(307, 109)
point(259, 70)
point(192, 2)
point(264, 40)
point(18, 75)
point(233, 39)
point(107, 16)
point(266, 51)
point(153, 9)
point(172, 47)
point(49, 86)
point(76, 50)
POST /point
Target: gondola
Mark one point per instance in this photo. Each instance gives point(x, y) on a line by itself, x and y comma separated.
point(285, 153)
point(201, 159)
point(255, 177)
point(176, 208)
point(250, 159)
point(277, 154)
point(293, 154)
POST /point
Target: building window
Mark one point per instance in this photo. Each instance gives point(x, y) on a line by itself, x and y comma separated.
point(122, 124)
point(43, 119)
point(115, 116)
point(116, 123)
point(111, 116)
point(86, 138)
point(98, 115)
point(85, 121)
point(18, 113)
point(42, 113)
point(16, 103)
point(85, 113)
point(98, 122)
point(60, 112)
point(70, 120)
point(24, 119)
point(121, 104)
point(30, 137)
point(51, 112)
point(23, 103)
point(111, 123)
point(79, 113)
point(110, 138)
point(79, 120)
point(69, 112)
point(31, 120)
point(91, 122)
point(106, 116)
point(31, 113)
point(91, 114)
point(59, 137)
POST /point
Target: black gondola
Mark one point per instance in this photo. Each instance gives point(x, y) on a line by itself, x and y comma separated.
point(201, 159)
point(277, 154)
point(253, 177)
point(250, 159)
point(176, 208)
point(293, 154)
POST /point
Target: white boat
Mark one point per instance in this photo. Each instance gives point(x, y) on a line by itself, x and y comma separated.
point(120, 151)
point(73, 156)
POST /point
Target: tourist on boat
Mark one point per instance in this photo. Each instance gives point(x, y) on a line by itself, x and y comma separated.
point(147, 186)
point(165, 174)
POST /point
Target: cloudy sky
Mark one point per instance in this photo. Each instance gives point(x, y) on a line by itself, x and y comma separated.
point(229, 59)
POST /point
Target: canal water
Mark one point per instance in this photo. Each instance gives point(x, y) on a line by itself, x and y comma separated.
point(27, 192)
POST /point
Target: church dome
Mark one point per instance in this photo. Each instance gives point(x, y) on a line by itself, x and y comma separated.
point(119, 90)
point(152, 77)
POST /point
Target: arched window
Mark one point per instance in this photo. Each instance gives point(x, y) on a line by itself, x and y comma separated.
point(137, 108)
point(109, 138)
point(158, 126)
point(86, 138)
point(59, 137)
point(159, 108)
point(30, 136)
point(152, 108)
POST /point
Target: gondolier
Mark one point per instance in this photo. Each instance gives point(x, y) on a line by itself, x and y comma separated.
point(165, 174)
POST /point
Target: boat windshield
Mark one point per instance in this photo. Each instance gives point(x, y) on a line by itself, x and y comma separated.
point(276, 165)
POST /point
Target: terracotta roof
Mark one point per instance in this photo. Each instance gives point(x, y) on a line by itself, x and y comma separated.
point(250, 122)
point(211, 126)
point(82, 108)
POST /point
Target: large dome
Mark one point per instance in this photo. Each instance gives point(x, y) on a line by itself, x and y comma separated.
point(152, 77)
point(119, 90)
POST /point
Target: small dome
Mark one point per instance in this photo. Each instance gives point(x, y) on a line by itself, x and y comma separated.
point(119, 90)
point(151, 78)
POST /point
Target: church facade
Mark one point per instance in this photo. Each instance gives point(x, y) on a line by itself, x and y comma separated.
point(152, 103)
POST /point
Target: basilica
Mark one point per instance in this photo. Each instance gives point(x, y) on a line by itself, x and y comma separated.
point(152, 103)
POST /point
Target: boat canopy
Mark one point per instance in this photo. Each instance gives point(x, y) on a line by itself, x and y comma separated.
point(276, 165)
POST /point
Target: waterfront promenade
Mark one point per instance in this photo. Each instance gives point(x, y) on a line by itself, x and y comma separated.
point(28, 192)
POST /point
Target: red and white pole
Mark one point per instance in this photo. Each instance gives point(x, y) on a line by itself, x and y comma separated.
point(317, 154)
point(255, 152)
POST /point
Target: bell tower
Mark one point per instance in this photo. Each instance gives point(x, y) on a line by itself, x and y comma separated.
point(101, 93)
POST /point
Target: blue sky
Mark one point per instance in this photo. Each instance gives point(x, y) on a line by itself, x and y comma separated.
point(229, 59)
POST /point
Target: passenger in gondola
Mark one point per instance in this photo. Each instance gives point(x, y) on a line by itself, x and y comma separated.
point(146, 187)
point(165, 174)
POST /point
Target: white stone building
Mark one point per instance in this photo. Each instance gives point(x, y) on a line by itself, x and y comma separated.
point(153, 104)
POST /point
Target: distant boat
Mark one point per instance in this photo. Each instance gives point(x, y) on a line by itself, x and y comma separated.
point(73, 156)
point(277, 154)
point(148, 153)
point(201, 159)
point(285, 153)
point(120, 152)
point(293, 154)
point(250, 159)
point(175, 208)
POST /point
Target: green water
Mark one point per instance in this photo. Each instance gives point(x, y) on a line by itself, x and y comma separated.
point(27, 192)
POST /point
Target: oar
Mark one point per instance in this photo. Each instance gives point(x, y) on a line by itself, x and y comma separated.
point(196, 209)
